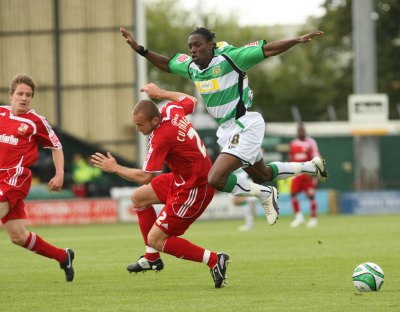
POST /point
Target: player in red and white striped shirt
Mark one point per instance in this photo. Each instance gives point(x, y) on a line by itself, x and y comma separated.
point(302, 149)
point(21, 130)
point(184, 191)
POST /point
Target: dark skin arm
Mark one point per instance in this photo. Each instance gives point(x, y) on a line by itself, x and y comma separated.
point(156, 59)
point(278, 47)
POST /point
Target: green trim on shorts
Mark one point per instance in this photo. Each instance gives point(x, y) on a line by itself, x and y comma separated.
point(275, 170)
point(230, 183)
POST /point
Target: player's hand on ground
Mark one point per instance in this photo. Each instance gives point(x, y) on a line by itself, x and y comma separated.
point(105, 163)
point(307, 37)
point(129, 38)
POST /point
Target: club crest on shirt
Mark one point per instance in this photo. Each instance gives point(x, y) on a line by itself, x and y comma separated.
point(23, 128)
point(216, 71)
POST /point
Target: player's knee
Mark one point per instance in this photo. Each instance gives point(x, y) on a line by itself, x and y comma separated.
point(137, 200)
point(18, 239)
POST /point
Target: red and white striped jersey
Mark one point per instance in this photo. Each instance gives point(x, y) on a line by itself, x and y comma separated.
point(20, 135)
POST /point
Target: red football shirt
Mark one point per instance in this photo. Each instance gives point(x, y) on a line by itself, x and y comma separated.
point(20, 136)
point(303, 150)
point(177, 143)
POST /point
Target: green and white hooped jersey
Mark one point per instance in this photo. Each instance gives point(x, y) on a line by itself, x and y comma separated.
point(219, 84)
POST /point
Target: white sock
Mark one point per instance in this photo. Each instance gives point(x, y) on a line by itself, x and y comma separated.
point(291, 169)
point(246, 188)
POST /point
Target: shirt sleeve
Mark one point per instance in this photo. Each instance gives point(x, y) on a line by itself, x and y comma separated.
point(184, 106)
point(46, 135)
point(157, 152)
point(179, 64)
point(187, 104)
point(247, 56)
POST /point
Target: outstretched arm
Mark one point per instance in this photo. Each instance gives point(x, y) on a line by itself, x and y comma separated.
point(157, 60)
point(155, 92)
point(109, 164)
point(278, 47)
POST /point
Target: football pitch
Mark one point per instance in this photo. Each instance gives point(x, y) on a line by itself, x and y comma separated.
point(273, 268)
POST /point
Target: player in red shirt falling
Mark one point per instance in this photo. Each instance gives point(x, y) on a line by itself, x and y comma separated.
point(184, 191)
point(302, 149)
point(21, 130)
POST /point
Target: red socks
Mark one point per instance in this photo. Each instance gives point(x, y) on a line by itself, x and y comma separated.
point(147, 217)
point(295, 205)
point(183, 249)
point(313, 212)
point(36, 244)
point(176, 246)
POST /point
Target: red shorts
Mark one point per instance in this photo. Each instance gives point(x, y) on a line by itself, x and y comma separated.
point(304, 182)
point(182, 206)
point(14, 187)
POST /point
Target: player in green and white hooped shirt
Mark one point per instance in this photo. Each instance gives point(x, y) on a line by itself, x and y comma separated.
point(219, 73)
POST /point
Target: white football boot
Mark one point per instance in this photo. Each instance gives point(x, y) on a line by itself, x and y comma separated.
point(270, 206)
point(298, 220)
point(312, 223)
point(320, 164)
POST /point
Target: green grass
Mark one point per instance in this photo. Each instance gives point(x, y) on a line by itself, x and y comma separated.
point(273, 269)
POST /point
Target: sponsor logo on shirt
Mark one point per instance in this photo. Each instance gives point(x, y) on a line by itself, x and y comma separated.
point(252, 44)
point(207, 86)
point(182, 58)
point(9, 139)
point(54, 139)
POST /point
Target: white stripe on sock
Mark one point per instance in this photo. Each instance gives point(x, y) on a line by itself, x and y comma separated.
point(150, 250)
point(206, 256)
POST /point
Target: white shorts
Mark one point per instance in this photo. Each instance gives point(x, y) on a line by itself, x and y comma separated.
point(243, 138)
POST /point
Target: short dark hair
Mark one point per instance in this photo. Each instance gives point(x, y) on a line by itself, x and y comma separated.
point(148, 108)
point(206, 33)
point(22, 79)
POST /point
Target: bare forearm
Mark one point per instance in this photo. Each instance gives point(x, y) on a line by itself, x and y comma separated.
point(158, 60)
point(278, 47)
point(58, 160)
point(133, 174)
point(173, 96)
